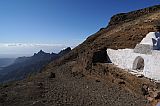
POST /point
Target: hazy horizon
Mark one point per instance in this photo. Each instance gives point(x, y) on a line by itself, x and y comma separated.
point(51, 22)
point(14, 50)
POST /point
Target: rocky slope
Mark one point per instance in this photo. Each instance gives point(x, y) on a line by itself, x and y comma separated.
point(83, 77)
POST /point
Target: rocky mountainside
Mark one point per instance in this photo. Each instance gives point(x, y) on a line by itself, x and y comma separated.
point(84, 77)
point(126, 17)
point(24, 66)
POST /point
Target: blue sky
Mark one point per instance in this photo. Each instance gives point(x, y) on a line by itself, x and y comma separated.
point(65, 22)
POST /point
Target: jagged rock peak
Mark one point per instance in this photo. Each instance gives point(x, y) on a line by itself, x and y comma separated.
point(64, 51)
point(41, 52)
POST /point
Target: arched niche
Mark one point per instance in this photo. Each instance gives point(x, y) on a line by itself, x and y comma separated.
point(138, 63)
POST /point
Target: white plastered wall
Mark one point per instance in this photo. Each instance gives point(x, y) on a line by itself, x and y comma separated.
point(124, 58)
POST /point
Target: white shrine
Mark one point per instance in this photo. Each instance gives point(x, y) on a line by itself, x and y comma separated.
point(143, 59)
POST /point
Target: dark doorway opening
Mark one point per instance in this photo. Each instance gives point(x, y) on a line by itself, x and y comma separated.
point(101, 56)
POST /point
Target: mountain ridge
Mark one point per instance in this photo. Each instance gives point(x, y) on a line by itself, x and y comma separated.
point(81, 77)
point(24, 66)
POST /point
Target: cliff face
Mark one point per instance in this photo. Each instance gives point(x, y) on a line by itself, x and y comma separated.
point(82, 78)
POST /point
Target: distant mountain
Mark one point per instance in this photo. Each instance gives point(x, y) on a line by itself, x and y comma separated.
point(6, 61)
point(24, 66)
